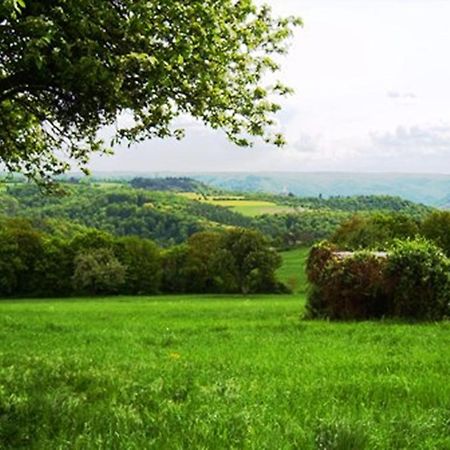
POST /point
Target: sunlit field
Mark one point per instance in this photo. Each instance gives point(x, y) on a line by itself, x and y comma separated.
point(217, 372)
point(240, 204)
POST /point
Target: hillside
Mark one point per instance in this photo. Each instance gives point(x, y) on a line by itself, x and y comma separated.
point(430, 189)
point(170, 216)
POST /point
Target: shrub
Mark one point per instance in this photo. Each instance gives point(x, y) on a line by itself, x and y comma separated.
point(412, 281)
point(346, 287)
point(318, 258)
point(417, 276)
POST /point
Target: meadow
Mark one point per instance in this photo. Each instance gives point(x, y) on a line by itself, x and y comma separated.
point(216, 372)
point(292, 271)
point(240, 204)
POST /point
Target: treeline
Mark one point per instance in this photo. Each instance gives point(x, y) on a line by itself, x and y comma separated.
point(378, 230)
point(175, 184)
point(359, 203)
point(35, 264)
point(304, 228)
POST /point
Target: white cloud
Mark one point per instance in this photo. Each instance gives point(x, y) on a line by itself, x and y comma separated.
point(401, 95)
point(416, 140)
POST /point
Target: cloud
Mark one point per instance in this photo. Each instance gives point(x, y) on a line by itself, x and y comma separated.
point(415, 140)
point(395, 95)
point(307, 144)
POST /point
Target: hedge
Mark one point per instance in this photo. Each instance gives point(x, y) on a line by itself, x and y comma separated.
point(410, 281)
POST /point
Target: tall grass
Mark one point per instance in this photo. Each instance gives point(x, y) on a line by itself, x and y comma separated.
point(216, 372)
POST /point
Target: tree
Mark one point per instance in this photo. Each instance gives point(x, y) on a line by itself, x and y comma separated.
point(54, 268)
point(203, 271)
point(142, 260)
point(21, 248)
point(436, 227)
point(247, 257)
point(174, 269)
point(98, 271)
point(70, 67)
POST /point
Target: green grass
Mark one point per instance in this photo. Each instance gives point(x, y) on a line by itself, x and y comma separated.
point(258, 208)
point(292, 271)
point(217, 373)
point(241, 204)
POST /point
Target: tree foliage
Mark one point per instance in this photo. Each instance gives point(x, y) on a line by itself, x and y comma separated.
point(33, 263)
point(70, 67)
point(436, 228)
point(375, 231)
point(97, 271)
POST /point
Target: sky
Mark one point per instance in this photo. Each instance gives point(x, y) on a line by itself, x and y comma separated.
point(372, 94)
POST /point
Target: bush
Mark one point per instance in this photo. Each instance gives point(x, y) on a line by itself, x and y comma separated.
point(318, 258)
point(417, 276)
point(346, 287)
point(412, 281)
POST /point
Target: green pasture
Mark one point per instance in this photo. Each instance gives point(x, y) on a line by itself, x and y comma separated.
point(241, 204)
point(292, 271)
point(216, 372)
point(258, 208)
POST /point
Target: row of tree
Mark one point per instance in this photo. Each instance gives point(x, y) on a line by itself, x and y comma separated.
point(377, 230)
point(33, 263)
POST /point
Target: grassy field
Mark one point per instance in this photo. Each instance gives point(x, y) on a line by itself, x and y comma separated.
point(216, 372)
point(292, 272)
point(240, 204)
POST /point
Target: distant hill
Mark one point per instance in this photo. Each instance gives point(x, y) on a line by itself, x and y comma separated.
point(433, 190)
point(171, 184)
point(429, 189)
point(165, 211)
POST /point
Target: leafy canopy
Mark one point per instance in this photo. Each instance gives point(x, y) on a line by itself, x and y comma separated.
point(70, 67)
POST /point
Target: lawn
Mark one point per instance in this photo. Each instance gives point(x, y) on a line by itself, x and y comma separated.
point(217, 372)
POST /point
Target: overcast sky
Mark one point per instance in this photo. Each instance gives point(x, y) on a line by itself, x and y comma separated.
point(372, 94)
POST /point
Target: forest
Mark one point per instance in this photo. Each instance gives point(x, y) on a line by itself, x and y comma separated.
point(168, 218)
point(95, 238)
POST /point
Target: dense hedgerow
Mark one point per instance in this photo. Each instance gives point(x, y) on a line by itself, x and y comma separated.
point(410, 281)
